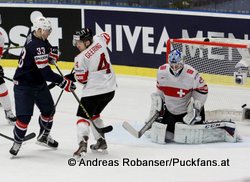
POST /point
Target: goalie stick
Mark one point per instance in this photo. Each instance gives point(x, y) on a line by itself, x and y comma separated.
point(27, 137)
point(139, 133)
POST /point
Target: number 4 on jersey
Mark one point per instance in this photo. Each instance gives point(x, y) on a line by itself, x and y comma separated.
point(103, 64)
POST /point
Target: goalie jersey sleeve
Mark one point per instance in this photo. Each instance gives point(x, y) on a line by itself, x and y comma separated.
point(177, 91)
point(93, 68)
point(33, 65)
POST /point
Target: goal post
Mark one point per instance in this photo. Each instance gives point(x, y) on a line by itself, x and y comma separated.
point(215, 59)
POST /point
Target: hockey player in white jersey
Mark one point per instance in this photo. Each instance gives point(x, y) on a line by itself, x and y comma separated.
point(183, 93)
point(94, 72)
point(4, 95)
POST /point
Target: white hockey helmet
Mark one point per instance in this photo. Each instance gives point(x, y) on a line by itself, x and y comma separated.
point(176, 61)
point(42, 23)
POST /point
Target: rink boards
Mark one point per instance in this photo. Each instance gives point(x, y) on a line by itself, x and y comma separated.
point(148, 72)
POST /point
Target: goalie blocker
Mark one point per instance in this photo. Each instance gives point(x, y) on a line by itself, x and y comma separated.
point(217, 131)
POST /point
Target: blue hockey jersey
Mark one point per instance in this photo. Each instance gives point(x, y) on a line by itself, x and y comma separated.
point(33, 65)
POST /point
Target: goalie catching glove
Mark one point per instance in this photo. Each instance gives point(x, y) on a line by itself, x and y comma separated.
point(193, 112)
point(67, 85)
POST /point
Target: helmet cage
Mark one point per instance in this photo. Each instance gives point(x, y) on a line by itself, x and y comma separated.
point(176, 62)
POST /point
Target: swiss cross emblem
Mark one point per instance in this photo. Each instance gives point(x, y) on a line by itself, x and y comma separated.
point(181, 93)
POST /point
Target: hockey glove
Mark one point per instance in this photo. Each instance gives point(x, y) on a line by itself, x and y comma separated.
point(156, 104)
point(53, 55)
point(70, 77)
point(67, 85)
point(193, 112)
point(1, 71)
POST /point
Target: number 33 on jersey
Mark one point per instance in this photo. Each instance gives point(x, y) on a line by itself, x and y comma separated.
point(93, 67)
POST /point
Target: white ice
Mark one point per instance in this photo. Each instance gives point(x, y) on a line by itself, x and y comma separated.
point(131, 103)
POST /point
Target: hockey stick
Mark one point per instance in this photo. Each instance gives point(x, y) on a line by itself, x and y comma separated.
point(61, 92)
point(52, 85)
point(7, 78)
point(16, 47)
point(27, 137)
point(139, 133)
point(101, 131)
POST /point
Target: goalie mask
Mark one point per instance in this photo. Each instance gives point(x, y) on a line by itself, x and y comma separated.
point(82, 35)
point(176, 62)
point(42, 23)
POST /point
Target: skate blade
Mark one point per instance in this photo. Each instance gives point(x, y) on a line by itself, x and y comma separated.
point(80, 156)
point(100, 151)
point(13, 156)
point(45, 145)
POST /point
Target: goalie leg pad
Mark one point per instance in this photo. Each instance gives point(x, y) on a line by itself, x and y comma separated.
point(158, 132)
point(205, 133)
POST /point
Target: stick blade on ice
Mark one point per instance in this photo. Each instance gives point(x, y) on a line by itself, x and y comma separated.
point(130, 129)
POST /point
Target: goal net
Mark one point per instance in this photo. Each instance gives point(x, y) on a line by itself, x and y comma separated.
point(215, 59)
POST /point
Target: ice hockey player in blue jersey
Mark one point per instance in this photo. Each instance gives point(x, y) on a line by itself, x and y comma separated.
point(31, 88)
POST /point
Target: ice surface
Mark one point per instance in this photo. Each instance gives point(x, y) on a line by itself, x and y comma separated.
point(131, 103)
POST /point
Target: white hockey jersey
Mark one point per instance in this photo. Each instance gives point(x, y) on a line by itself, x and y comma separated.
point(177, 91)
point(93, 68)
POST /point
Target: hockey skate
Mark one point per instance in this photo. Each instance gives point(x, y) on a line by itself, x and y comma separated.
point(100, 146)
point(47, 141)
point(15, 148)
point(10, 117)
point(82, 150)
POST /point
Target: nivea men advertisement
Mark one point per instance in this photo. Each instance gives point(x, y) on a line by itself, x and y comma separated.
point(138, 35)
point(16, 27)
point(138, 38)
